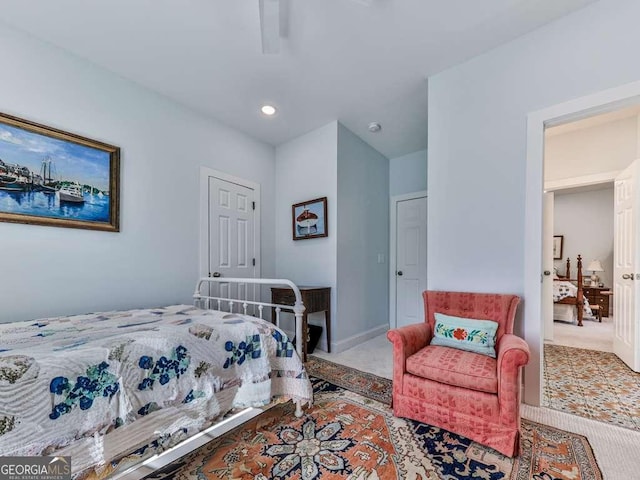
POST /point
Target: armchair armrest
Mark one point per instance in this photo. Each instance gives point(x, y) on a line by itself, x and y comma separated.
point(513, 353)
point(408, 340)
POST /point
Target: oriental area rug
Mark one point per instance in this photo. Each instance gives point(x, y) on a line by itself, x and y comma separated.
point(591, 384)
point(351, 433)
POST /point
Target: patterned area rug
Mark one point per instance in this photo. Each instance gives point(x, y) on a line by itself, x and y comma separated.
point(591, 384)
point(348, 434)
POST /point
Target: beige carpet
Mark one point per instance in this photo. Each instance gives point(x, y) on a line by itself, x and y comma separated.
point(593, 335)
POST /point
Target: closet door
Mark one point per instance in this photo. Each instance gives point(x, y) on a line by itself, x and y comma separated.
point(231, 235)
point(411, 260)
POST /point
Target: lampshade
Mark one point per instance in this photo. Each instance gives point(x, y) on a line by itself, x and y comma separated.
point(595, 266)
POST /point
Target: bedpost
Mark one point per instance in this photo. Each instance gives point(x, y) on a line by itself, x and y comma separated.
point(579, 296)
point(301, 330)
point(568, 270)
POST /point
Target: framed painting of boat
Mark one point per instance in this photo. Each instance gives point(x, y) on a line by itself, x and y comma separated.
point(309, 219)
point(56, 178)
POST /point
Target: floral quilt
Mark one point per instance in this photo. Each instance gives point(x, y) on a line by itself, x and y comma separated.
point(70, 378)
point(562, 289)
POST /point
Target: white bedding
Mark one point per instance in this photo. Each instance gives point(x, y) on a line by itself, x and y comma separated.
point(565, 313)
point(564, 289)
point(73, 379)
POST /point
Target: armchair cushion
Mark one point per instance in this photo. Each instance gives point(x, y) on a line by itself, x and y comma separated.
point(455, 367)
point(469, 334)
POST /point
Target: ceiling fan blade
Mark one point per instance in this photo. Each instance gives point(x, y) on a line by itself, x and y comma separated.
point(270, 26)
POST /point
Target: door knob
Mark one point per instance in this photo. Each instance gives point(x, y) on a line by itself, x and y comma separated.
point(627, 276)
point(399, 273)
point(216, 274)
point(547, 272)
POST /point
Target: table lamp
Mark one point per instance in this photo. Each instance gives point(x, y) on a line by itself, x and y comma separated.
point(595, 266)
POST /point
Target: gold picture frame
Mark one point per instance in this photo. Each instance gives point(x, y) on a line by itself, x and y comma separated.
point(56, 178)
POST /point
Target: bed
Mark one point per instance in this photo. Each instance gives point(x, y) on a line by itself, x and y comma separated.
point(102, 386)
point(570, 304)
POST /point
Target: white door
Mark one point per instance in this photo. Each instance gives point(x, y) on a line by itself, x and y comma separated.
point(411, 260)
point(626, 281)
point(547, 264)
point(231, 235)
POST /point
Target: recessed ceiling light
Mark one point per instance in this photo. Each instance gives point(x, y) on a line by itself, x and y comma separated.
point(374, 127)
point(268, 110)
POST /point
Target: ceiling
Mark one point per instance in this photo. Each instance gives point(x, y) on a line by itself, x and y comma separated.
point(356, 61)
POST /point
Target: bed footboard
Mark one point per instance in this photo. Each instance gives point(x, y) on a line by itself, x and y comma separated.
point(215, 293)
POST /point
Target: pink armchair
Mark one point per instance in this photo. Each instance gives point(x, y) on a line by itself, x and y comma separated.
point(467, 393)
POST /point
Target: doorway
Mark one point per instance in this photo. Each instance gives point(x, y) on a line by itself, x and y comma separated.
point(583, 221)
point(602, 102)
point(583, 368)
point(408, 263)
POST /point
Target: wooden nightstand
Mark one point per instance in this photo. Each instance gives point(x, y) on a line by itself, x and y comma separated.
point(315, 299)
point(596, 296)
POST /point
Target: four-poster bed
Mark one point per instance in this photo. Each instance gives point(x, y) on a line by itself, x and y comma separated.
point(570, 291)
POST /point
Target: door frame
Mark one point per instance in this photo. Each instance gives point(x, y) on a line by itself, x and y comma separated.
point(205, 174)
point(572, 110)
point(393, 209)
point(548, 206)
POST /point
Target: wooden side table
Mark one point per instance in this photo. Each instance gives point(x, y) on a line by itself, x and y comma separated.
point(609, 304)
point(315, 299)
point(599, 296)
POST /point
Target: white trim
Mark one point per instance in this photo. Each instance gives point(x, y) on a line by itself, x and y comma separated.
point(393, 209)
point(579, 108)
point(205, 173)
point(342, 345)
point(581, 181)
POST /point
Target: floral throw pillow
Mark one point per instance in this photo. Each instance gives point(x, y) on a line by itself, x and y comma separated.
point(469, 334)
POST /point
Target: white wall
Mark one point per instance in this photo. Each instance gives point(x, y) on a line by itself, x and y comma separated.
point(478, 138)
point(154, 259)
point(638, 136)
point(363, 235)
point(306, 168)
point(585, 219)
point(408, 174)
point(599, 149)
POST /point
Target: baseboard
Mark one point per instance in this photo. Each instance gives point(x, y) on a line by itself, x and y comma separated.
point(347, 343)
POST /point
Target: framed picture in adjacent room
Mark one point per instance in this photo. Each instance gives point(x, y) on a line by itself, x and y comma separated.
point(309, 219)
point(56, 178)
point(557, 246)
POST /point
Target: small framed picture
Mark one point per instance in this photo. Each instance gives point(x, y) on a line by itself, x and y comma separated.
point(309, 219)
point(557, 247)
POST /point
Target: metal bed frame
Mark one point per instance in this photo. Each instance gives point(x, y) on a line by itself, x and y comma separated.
point(223, 302)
